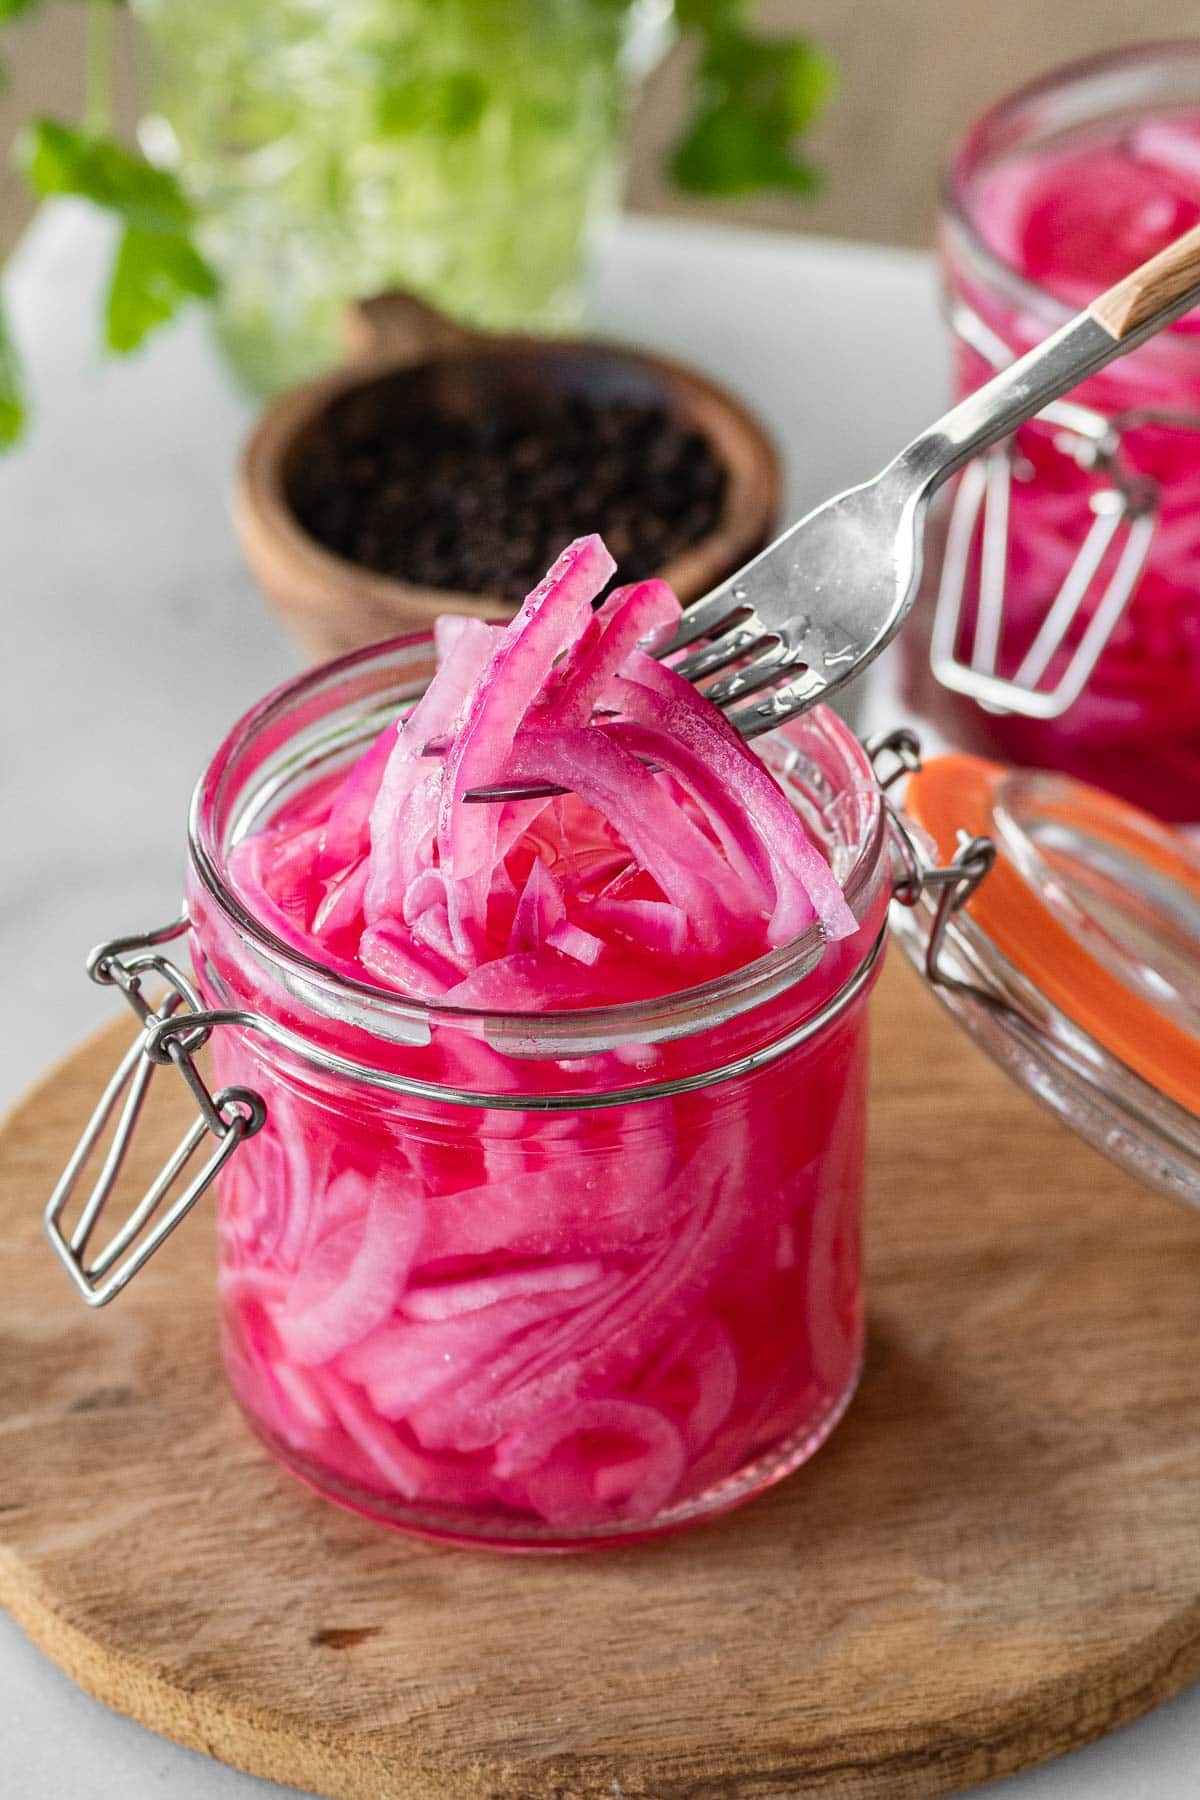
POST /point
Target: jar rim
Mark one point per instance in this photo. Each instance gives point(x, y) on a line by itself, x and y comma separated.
point(391, 1015)
point(968, 152)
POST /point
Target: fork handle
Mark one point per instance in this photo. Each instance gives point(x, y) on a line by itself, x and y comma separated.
point(1150, 290)
point(1157, 293)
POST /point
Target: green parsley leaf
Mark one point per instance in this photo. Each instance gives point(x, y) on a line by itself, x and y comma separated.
point(59, 160)
point(12, 389)
point(154, 273)
point(756, 96)
point(784, 82)
point(727, 152)
point(12, 9)
point(157, 267)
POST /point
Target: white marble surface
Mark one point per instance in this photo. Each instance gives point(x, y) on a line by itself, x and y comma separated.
point(131, 638)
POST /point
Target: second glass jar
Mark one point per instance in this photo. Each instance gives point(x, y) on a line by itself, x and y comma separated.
point(1011, 277)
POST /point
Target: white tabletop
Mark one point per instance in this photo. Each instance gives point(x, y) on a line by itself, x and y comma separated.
point(132, 637)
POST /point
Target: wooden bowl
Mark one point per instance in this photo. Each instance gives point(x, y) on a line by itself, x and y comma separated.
point(332, 604)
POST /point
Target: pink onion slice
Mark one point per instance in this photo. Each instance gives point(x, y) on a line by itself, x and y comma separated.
point(596, 1343)
point(448, 1299)
point(540, 908)
point(597, 1461)
point(527, 982)
point(719, 805)
point(803, 878)
point(348, 1285)
point(653, 925)
point(551, 618)
point(640, 617)
point(580, 945)
point(340, 907)
point(695, 1380)
point(400, 1470)
point(404, 813)
point(345, 837)
point(398, 961)
point(686, 866)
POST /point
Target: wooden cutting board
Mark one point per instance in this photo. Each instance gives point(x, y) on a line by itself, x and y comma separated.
point(996, 1557)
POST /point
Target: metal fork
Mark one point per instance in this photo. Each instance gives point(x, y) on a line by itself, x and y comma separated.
point(811, 611)
point(821, 602)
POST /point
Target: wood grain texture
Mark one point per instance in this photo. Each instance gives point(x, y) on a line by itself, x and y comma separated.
point(995, 1558)
point(1166, 277)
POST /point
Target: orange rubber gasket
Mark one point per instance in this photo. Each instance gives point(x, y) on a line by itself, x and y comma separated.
point(957, 793)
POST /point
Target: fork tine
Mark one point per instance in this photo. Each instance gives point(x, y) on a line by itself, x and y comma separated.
point(776, 708)
point(739, 640)
point(709, 617)
point(770, 666)
point(512, 790)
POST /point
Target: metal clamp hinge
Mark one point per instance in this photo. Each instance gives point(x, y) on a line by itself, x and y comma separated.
point(1108, 563)
point(946, 886)
point(230, 1116)
point(950, 887)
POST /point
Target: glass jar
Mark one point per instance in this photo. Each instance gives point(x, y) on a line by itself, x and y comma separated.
point(535, 1280)
point(1073, 553)
point(463, 149)
point(553, 1281)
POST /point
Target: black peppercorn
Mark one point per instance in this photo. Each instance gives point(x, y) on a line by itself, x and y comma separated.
point(482, 503)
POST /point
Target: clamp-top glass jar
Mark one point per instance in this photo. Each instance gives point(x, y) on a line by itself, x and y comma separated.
point(519, 1279)
point(1072, 565)
point(549, 1281)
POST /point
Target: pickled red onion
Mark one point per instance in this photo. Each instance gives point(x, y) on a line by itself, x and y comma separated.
point(567, 1317)
point(426, 891)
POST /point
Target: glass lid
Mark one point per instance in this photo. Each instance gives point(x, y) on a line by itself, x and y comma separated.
point(1075, 962)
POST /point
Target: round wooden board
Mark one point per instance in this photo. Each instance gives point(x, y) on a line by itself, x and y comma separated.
point(995, 1558)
